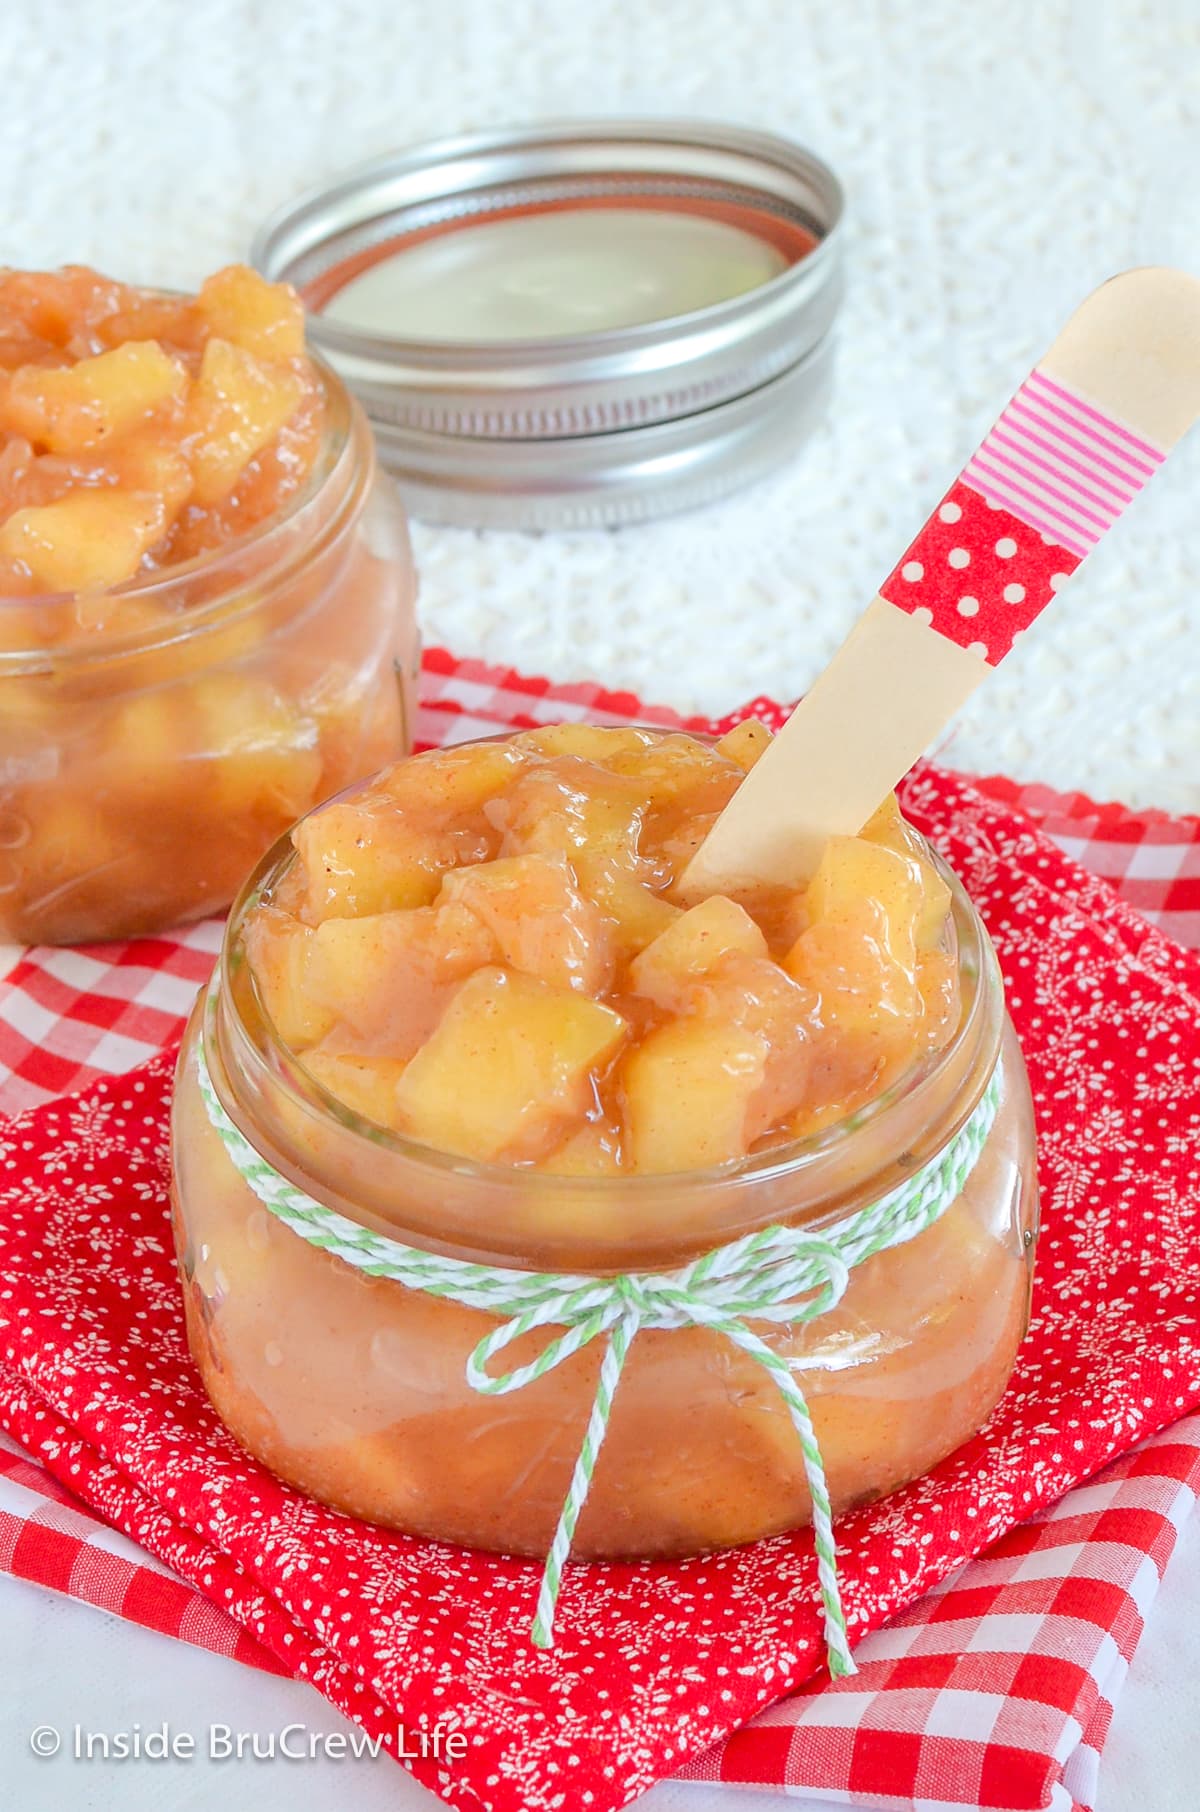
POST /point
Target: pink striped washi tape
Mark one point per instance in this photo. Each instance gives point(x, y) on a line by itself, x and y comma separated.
point(1049, 480)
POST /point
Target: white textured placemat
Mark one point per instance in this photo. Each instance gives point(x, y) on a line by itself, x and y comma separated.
point(1000, 161)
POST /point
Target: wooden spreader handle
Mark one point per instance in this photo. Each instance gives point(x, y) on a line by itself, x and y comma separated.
point(1118, 388)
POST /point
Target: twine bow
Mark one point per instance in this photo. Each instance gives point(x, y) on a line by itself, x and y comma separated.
point(779, 1275)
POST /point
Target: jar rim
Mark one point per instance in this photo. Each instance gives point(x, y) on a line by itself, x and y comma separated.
point(345, 421)
point(261, 1052)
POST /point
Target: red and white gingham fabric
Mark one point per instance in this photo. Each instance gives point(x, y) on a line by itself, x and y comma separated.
point(1150, 859)
point(996, 1689)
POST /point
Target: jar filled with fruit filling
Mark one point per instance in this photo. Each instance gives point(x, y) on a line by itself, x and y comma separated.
point(206, 597)
point(471, 1008)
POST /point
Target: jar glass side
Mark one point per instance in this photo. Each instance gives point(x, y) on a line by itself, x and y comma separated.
point(355, 1389)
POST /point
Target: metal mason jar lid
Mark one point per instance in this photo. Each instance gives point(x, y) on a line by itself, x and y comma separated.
point(578, 324)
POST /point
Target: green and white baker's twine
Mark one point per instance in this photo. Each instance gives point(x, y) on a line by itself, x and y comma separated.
point(780, 1274)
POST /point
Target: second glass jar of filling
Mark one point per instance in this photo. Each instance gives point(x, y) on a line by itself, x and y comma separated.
point(467, 1007)
point(206, 597)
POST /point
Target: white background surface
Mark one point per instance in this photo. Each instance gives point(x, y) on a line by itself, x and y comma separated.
point(1000, 161)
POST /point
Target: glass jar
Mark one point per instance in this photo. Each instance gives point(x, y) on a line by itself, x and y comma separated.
point(354, 1389)
point(146, 766)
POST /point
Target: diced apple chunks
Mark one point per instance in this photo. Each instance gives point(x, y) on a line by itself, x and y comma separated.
point(587, 742)
point(453, 781)
point(510, 1064)
point(634, 914)
point(496, 918)
point(670, 768)
point(889, 827)
point(279, 949)
point(359, 962)
point(691, 948)
point(72, 841)
point(753, 992)
point(366, 1085)
point(264, 318)
point(264, 751)
point(162, 428)
point(386, 978)
point(73, 407)
point(155, 724)
point(149, 462)
point(549, 813)
point(745, 742)
point(864, 992)
point(364, 858)
point(931, 922)
point(688, 1089)
point(542, 923)
point(859, 952)
point(85, 540)
point(854, 874)
point(237, 406)
point(594, 1151)
point(145, 315)
point(49, 304)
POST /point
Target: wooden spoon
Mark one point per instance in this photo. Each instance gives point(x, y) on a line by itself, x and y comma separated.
point(1118, 388)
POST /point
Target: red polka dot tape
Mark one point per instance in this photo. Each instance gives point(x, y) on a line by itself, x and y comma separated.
point(1051, 477)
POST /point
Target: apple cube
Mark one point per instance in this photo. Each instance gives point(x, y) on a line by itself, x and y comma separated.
point(264, 752)
point(366, 858)
point(386, 977)
point(671, 767)
point(688, 1091)
point(266, 319)
point(172, 321)
point(888, 827)
point(545, 815)
point(859, 952)
point(47, 303)
point(237, 407)
point(541, 922)
point(71, 408)
point(366, 1085)
point(509, 1066)
point(71, 842)
point(147, 461)
point(745, 742)
point(854, 876)
point(587, 742)
point(136, 763)
point(864, 991)
point(453, 781)
point(594, 1151)
point(691, 948)
point(634, 914)
point(279, 950)
point(87, 540)
point(753, 992)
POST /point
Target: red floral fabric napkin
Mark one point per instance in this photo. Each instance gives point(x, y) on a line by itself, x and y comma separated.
point(653, 1664)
